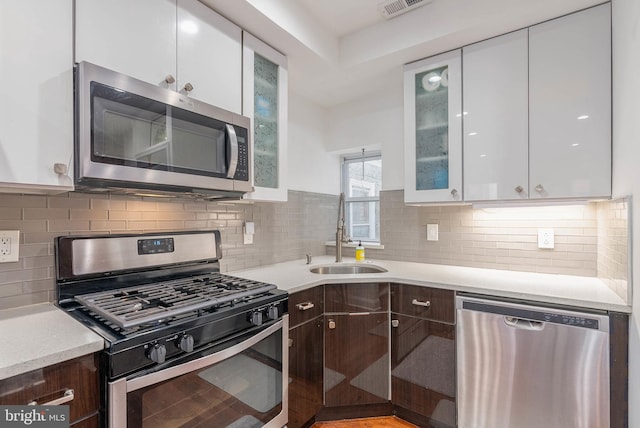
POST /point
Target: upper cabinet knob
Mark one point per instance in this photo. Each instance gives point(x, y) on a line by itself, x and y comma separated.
point(519, 189)
point(454, 192)
point(539, 188)
point(60, 169)
point(188, 87)
point(169, 79)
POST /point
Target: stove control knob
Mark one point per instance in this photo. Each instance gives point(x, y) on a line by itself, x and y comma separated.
point(157, 353)
point(185, 343)
point(272, 313)
point(256, 318)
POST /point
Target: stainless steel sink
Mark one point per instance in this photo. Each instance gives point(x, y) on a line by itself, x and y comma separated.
point(342, 269)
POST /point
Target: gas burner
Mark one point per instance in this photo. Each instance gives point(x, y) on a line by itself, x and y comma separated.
point(149, 303)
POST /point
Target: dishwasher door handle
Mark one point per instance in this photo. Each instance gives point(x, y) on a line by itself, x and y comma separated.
point(523, 324)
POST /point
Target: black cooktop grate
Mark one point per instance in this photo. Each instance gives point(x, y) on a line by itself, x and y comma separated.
point(138, 305)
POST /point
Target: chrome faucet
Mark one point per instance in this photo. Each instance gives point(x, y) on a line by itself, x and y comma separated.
point(341, 235)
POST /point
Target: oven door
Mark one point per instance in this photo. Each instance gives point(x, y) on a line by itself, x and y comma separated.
point(245, 384)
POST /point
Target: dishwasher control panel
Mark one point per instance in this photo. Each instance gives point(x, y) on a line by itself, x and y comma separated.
point(567, 319)
point(518, 311)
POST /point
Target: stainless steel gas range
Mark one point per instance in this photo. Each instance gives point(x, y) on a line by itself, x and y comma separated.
point(185, 344)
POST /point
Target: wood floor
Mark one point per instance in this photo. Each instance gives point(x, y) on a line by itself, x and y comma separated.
point(381, 422)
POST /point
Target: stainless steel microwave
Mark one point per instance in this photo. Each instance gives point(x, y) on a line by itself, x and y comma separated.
point(135, 137)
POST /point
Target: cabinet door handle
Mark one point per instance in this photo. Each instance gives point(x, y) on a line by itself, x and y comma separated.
point(417, 302)
point(305, 306)
point(67, 395)
point(519, 189)
point(454, 192)
point(169, 79)
point(188, 87)
point(539, 188)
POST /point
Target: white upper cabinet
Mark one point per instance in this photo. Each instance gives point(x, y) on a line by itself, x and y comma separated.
point(570, 106)
point(136, 38)
point(36, 98)
point(495, 121)
point(265, 102)
point(433, 129)
point(182, 45)
point(209, 56)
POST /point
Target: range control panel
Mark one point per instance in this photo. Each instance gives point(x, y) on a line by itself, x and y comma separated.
point(155, 246)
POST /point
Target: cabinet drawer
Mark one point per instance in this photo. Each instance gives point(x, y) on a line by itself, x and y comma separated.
point(365, 297)
point(305, 305)
point(50, 383)
point(424, 302)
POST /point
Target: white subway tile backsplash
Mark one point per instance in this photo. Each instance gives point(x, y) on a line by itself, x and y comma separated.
point(283, 231)
point(590, 239)
point(67, 202)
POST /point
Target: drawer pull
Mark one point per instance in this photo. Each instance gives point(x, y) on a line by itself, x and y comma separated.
point(420, 303)
point(67, 396)
point(305, 306)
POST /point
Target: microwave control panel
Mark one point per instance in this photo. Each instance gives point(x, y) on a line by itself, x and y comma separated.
point(242, 170)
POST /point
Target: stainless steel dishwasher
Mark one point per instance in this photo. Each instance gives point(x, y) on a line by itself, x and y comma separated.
point(522, 366)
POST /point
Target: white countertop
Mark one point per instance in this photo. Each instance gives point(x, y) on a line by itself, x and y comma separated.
point(41, 335)
point(568, 290)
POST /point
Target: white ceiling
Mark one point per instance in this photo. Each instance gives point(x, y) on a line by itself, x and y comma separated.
point(343, 17)
point(340, 50)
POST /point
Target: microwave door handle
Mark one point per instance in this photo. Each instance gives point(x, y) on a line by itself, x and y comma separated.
point(233, 146)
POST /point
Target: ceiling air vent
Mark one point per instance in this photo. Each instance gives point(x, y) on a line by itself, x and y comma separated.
point(392, 8)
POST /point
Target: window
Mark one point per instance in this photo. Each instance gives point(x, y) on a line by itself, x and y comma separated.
point(361, 182)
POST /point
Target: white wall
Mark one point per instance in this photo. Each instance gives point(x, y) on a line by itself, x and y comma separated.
point(626, 156)
point(311, 167)
point(374, 122)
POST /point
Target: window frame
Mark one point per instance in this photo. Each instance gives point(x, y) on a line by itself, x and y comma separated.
point(345, 178)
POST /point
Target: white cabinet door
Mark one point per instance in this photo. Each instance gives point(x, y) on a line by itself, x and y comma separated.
point(495, 121)
point(433, 129)
point(570, 105)
point(137, 38)
point(265, 102)
point(36, 96)
point(209, 56)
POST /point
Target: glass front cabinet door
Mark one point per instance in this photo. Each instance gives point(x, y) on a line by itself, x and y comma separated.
point(265, 102)
point(433, 129)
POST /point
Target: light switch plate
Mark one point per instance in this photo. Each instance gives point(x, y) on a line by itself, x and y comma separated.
point(249, 229)
point(546, 238)
point(9, 245)
point(432, 232)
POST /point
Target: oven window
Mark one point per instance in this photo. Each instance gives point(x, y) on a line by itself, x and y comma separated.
point(244, 390)
point(128, 129)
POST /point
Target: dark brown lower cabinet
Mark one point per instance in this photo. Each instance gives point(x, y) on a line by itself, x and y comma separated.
point(305, 372)
point(423, 370)
point(79, 375)
point(90, 422)
point(356, 359)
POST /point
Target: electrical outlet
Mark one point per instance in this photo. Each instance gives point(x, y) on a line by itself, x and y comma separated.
point(546, 238)
point(432, 232)
point(9, 245)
